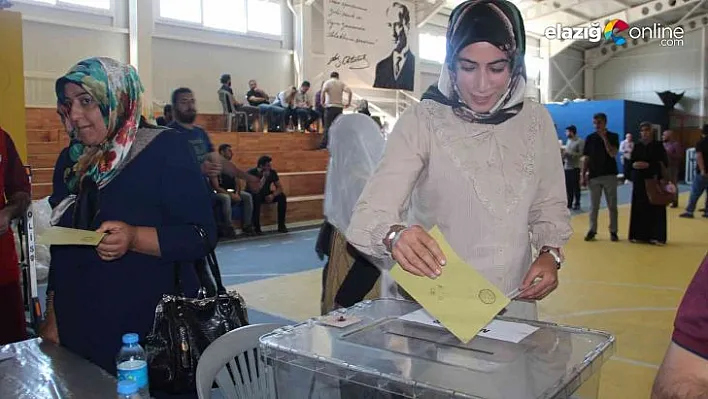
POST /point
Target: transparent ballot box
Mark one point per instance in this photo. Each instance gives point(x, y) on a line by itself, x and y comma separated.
point(371, 352)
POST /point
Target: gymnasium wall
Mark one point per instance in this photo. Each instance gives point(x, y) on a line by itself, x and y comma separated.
point(181, 58)
point(637, 74)
point(56, 38)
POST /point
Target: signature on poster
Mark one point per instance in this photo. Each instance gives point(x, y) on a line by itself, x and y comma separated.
point(356, 61)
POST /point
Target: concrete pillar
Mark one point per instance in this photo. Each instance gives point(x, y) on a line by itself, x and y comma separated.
point(303, 40)
point(544, 81)
point(140, 27)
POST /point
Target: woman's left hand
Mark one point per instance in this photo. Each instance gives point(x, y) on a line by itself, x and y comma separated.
point(546, 269)
point(117, 241)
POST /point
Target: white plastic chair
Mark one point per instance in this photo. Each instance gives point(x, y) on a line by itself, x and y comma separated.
point(233, 361)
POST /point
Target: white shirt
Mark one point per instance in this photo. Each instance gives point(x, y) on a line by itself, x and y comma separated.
point(333, 92)
point(626, 148)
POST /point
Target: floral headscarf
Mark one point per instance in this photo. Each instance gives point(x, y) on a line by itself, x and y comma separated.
point(500, 23)
point(117, 89)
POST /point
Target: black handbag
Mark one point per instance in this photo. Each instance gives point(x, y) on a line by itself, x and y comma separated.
point(184, 327)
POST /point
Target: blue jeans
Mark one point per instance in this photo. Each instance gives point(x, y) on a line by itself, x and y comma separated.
point(700, 184)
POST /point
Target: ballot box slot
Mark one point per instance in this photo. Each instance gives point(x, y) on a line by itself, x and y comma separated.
point(437, 344)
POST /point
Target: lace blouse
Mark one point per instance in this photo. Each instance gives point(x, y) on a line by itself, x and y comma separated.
point(495, 191)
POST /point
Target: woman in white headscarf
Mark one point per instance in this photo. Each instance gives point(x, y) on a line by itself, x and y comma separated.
point(355, 148)
point(478, 160)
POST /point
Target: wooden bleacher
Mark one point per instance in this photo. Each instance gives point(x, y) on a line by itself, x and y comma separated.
point(301, 170)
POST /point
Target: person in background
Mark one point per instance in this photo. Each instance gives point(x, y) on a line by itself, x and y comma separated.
point(259, 98)
point(675, 153)
point(599, 172)
point(333, 102)
point(306, 116)
point(700, 181)
point(572, 152)
point(625, 148)
point(211, 163)
point(683, 373)
point(14, 201)
point(232, 104)
point(363, 108)
point(355, 149)
point(477, 159)
point(229, 190)
point(267, 177)
point(285, 100)
point(319, 108)
point(166, 117)
point(647, 222)
point(144, 190)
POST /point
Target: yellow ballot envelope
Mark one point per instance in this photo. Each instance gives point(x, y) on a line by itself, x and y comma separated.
point(461, 299)
point(65, 236)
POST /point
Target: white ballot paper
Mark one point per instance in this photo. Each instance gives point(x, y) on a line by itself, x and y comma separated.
point(498, 329)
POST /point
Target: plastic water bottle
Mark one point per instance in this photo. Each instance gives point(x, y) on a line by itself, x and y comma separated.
point(128, 389)
point(131, 363)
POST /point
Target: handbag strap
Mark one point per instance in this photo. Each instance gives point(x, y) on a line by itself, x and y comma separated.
point(202, 275)
point(212, 261)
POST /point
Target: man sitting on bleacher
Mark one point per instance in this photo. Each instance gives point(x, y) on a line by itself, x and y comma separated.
point(14, 200)
point(268, 178)
point(230, 193)
point(303, 108)
point(226, 96)
point(273, 114)
point(185, 113)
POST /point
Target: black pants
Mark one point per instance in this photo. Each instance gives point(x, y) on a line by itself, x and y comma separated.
point(331, 113)
point(572, 186)
point(306, 117)
point(259, 199)
point(627, 169)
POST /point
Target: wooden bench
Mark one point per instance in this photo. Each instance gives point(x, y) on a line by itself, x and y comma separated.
point(301, 170)
point(301, 210)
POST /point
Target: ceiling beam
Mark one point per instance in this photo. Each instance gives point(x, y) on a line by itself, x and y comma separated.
point(630, 15)
point(546, 7)
point(598, 56)
point(426, 13)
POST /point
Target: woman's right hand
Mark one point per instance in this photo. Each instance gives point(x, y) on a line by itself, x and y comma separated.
point(48, 329)
point(418, 253)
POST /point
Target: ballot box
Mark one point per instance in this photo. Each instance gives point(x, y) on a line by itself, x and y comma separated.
point(376, 350)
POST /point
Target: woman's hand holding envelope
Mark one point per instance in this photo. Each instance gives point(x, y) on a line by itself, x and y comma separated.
point(418, 253)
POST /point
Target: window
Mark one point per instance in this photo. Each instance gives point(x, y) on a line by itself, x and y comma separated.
point(182, 10)
point(432, 47)
point(102, 4)
point(224, 14)
point(98, 4)
point(259, 16)
point(264, 17)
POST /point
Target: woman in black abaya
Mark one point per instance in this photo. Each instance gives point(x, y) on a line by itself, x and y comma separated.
point(647, 222)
